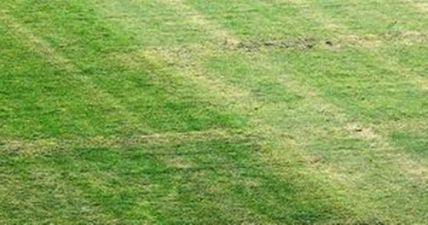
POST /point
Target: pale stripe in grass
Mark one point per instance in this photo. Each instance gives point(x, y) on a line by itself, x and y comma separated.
point(117, 142)
point(195, 17)
point(183, 58)
point(190, 71)
point(35, 43)
point(39, 46)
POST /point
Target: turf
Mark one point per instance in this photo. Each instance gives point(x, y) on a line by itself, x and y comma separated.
point(213, 112)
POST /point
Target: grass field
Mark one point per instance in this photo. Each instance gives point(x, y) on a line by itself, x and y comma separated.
point(214, 112)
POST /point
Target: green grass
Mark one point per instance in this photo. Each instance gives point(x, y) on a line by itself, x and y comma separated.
point(213, 112)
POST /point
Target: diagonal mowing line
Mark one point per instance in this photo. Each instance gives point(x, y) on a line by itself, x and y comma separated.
point(36, 44)
point(234, 95)
point(52, 144)
point(42, 48)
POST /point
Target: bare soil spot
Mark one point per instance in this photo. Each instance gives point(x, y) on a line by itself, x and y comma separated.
point(361, 132)
point(303, 43)
point(408, 37)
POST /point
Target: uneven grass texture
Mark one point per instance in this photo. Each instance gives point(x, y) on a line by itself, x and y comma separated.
point(214, 112)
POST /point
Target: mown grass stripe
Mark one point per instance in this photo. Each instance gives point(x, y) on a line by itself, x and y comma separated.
point(48, 145)
point(42, 48)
